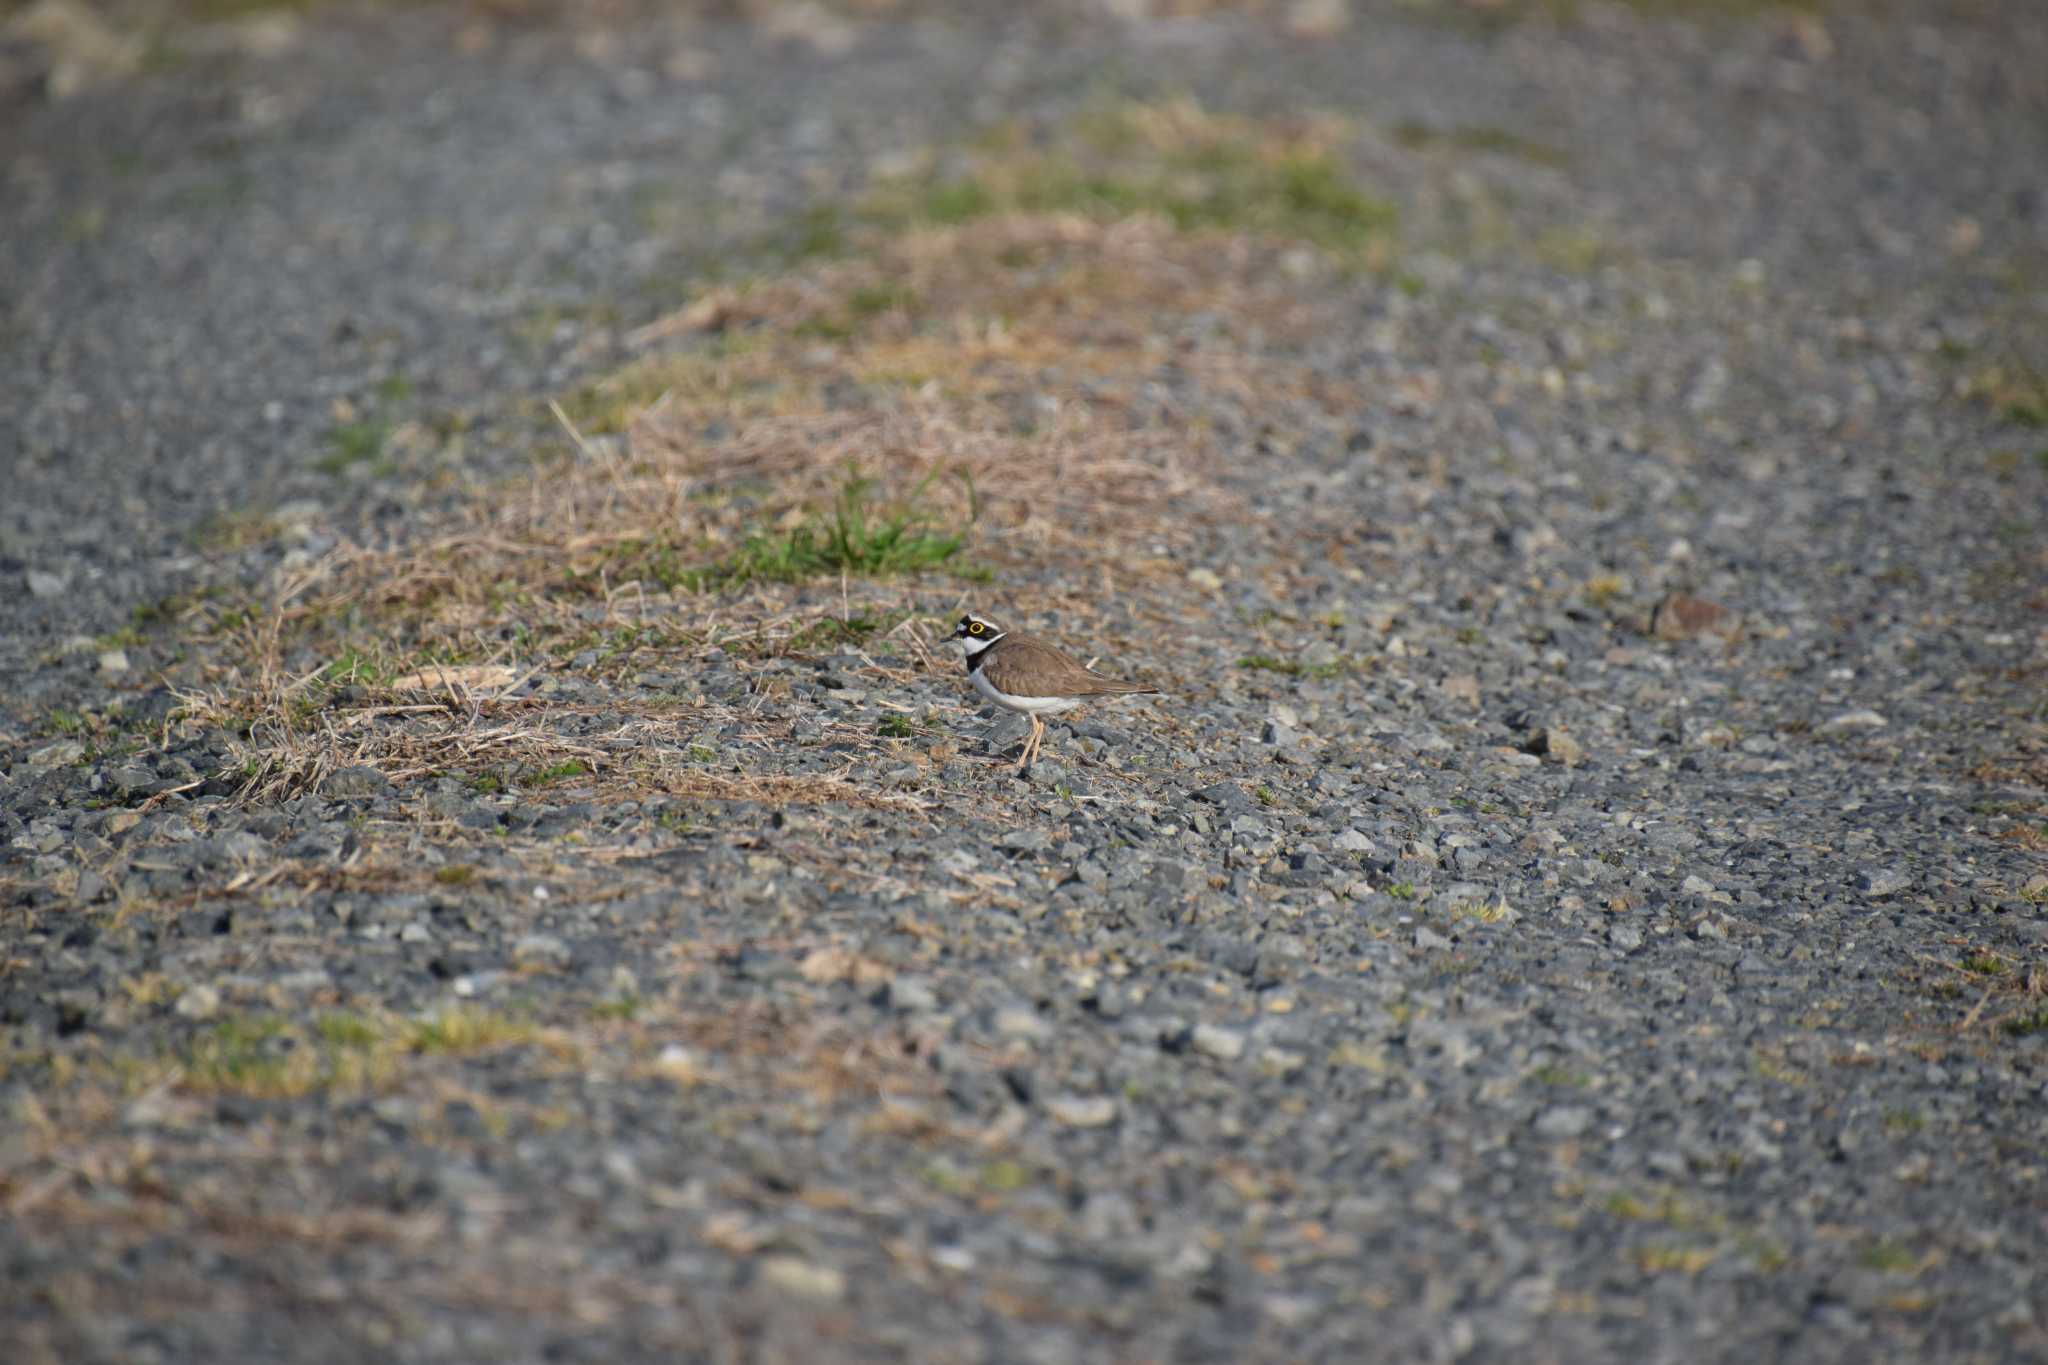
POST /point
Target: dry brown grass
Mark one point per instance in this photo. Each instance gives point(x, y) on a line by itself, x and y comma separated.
point(1035, 383)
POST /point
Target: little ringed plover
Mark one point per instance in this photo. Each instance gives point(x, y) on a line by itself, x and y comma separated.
point(1021, 673)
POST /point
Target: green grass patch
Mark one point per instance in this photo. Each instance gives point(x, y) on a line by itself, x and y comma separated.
point(1892, 1258)
point(273, 1057)
point(354, 443)
point(60, 721)
point(1197, 170)
point(2026, 1025)
point(873, 300)
point(1562, 1077)
point(464, 1030)
point(269, 1057)
point(1294, 668)
point(354, 668)
point(895, 727)
point(857, 535)
point(348, 1031)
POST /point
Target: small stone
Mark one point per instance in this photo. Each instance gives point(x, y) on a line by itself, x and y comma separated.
point(1462, 687)
point(1351, 841)
point(1625, 936)
point(1279, 1062)
point(1212, 1040)
point(805, 1279)
point(1696, 886)
point(1278, 735)
point(1565, 1121)
point(1556, 745)
point(1205, 579)
point(911, 995)
point(1227, 795)
point(360, 780)
point(1020, 1021)
point(1082, 1111)
point(679, 1064)
point(1883, 881)
point(1679, 617)
point(113, 661)
point(62, 754)
point(1290, 1310)
point(1861, 719)
point(306, 981)
point(198, 1002)
point(44, 584)
point(1429, 940)
point(1706, 927)
point(540, 950)
point(828, 965)
point(242, 846)
point(131, 778)
point(1318, 18)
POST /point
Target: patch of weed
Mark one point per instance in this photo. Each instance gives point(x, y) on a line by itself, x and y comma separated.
point(1561, 1076)
point(354, 443)
point(462, 1030)
point(60, 721)
point(1888, 1256)
point(353, 668)
point(1479, 138)
point(1195, 169)
point(2026, 1025)
point(853, 537)
point(1903, 1121)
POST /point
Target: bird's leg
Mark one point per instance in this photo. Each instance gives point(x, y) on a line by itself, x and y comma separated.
point(1031, 745)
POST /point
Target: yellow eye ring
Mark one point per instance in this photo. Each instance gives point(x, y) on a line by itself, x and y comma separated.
point(976, 628)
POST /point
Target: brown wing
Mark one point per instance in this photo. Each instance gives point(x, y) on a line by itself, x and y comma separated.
point(1024, 667)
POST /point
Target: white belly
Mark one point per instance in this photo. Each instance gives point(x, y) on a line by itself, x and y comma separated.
point(1030, 706)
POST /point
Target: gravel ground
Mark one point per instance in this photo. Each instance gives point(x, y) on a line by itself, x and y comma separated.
point(1583, 896)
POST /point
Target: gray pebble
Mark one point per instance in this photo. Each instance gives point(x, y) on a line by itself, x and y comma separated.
point(1211, 1040)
